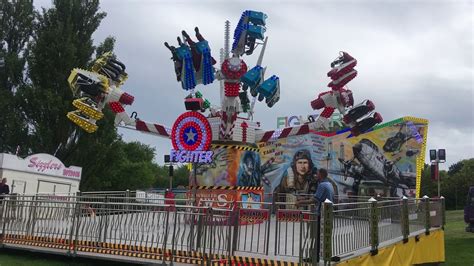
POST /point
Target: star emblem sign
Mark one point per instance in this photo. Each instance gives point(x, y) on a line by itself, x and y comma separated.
point(190, 135)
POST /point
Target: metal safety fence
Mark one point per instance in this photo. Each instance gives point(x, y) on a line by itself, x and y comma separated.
point(351, 229)
point(125, 225)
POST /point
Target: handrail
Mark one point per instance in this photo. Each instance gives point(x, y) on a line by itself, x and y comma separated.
point(82, 223)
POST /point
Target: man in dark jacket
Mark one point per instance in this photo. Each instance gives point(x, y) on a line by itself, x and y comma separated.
point(4, 188)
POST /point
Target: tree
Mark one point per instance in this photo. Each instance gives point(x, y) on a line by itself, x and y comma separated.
point(455, 187)
point(16, 30)
point(129, 166)
point(63, 40)
point(51, 43)
point(428, 186)
point(180, 176)
point(17, 22)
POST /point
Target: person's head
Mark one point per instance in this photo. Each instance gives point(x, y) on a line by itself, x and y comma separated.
point(322, 173)
point(4, 181)
point(302, 162)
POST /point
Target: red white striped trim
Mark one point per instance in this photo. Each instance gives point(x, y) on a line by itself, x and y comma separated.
point(152, 128)
point(279, 134)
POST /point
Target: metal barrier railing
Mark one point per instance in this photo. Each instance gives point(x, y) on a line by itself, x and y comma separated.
point(359, 226)
point(350, 227)
point(114, 224)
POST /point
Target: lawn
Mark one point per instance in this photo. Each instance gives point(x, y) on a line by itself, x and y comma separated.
point(9, 257)
point(459, 244)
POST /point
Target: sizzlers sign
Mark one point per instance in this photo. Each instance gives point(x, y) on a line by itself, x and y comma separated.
point(180, 156)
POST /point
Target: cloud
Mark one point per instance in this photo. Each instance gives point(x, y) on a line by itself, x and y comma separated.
point(414, 58)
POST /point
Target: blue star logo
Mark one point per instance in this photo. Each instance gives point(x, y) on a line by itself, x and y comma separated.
point(190, 136)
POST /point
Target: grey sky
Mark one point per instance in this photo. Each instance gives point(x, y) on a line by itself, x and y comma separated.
point(415, 58)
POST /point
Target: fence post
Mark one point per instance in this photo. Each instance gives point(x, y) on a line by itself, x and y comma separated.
point(404, 220)
point(173, 236)
point(165, 237)
point(210, 224)
point(33, 214)
point(315, 229)
point(426, 203)
point(199, 229)
point(127, 199)
point(443, 212)
point(328, 217)
point(106, 217)
point(76, 224)
point(374, 227)
point(3, 206)
point(235, 223)
point(300, 255)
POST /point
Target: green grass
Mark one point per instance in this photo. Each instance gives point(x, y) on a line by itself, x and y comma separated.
point(459, 244)
point(10, 257)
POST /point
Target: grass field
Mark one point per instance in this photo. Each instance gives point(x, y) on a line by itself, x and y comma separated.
point(459, 249)
point(459, 244)
point(9, 257)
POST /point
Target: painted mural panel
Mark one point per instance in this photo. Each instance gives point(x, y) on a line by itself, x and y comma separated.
point(231, 167)
point(385, 161)
point(381, 162)
point(290, 163)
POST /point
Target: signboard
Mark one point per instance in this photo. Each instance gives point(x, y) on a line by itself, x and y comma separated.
point(224, 198)
point(294, 120)
point(191, 137)
point(40, 163)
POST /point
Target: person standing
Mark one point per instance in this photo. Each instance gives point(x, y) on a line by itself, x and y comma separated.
point(169, 199)
point(324, 191)
point(4, 188)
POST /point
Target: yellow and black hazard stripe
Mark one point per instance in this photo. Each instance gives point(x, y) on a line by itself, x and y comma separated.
point(228, 187)
point(249, 188)
point(246, 261)
point(181, 256)
point(40, 241)
point(235, 147)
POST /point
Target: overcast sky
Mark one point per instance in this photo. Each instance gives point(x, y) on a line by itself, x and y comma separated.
point(415, 58)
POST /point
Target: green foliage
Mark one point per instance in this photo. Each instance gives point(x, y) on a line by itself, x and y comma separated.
point(455, 168)
point(121, 166)
point(16, 28)
point(35, 101)
point(62, 41)
point(106, 46)
point(180, 176)
point(455, 187)
point(429, 187)
point(454, 183)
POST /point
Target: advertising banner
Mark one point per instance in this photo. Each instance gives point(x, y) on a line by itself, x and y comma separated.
point(224, 198)
point(231, 167)
point(386, 161)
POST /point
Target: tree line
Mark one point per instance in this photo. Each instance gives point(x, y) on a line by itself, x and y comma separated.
point(454, 183)
point(38, 49)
